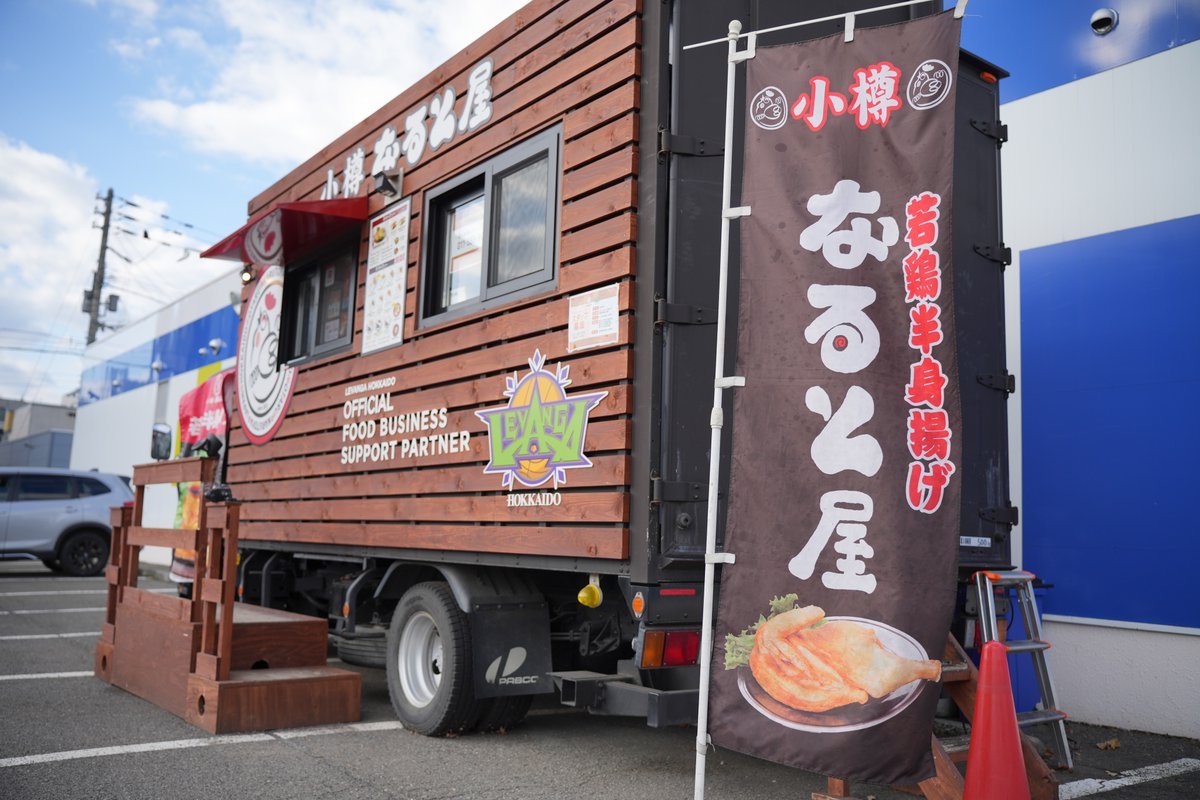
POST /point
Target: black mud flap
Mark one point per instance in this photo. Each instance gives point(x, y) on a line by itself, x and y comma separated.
point(511, 644)
point(510, 630)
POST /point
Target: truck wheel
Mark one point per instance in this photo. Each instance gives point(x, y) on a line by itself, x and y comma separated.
point(504, 713)
point(429, 662)
point(365, 652)
point(84, 553)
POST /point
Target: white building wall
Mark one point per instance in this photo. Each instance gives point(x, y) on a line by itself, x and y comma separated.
point(113, 434)
point(1109, 152)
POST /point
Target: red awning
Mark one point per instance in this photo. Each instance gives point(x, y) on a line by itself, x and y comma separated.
point(289, 231)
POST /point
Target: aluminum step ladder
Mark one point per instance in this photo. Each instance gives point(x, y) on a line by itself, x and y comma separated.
point(985, 584)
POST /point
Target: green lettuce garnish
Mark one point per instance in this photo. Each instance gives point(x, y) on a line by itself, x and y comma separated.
point(738, 647)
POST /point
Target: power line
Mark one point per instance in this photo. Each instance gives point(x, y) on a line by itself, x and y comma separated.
point(145, 235)
point(177, 221)
point(129, 290)
point(25, 331)
point(59, 350)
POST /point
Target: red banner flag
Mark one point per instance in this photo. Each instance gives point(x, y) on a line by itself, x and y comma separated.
point(843, 499)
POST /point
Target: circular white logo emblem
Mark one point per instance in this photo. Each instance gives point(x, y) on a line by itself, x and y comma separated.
point(769, 109)
point(263, 390)
point(264, 241)
point(929, 84)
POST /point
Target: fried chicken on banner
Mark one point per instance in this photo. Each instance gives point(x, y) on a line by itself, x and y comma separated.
point(812, 664)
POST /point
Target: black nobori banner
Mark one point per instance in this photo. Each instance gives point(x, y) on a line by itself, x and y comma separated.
point(843, 499)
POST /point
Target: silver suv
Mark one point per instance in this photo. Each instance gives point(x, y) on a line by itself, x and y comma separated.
point(60, 516)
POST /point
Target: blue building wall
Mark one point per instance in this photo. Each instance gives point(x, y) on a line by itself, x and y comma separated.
point(1111, 369)
point(178, 351)
point(1047, 43)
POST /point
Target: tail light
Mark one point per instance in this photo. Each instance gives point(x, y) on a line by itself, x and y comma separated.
point(669, 648)
point(652, 649)
point(681, 648)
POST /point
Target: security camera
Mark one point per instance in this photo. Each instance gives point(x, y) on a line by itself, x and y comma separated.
point(1104, 21)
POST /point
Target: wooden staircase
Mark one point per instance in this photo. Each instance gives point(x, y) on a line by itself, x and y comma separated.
point(223, 666)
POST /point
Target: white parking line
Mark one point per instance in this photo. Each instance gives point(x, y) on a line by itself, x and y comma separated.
point(26, 636)
point(50, 611)
point(43, 578)
point(76, 591)
point(183, 744)
point(33, 676)
point(1131, 777)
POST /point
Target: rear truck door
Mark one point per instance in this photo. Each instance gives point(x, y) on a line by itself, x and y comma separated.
point(691, 140)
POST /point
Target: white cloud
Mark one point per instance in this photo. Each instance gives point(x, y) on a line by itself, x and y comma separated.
point(48, 253)
point(46, 245)
point(186, 39)
point(299, 74)
point(135, 50)
point(142, 10)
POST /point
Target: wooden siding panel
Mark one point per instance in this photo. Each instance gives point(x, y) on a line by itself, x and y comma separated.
point(616, 198)
point(601, 142)
point(574, 63)
point(601, 172)
point(574, 507)
point(598, 270)
point(601, 435)
point(564, 541)
point(602, 236)
point(608, 470)
point(468, 360)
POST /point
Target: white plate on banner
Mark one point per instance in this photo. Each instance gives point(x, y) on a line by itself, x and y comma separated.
point(851, 717)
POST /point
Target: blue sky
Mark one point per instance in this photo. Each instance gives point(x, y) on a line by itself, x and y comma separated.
point(189, 109)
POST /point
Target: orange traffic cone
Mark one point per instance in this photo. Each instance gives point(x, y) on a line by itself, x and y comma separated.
point(995, 766)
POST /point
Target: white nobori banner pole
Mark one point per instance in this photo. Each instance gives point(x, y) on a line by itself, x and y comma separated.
point(717, 419)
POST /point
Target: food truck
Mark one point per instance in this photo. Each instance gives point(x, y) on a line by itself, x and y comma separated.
point(472, 414)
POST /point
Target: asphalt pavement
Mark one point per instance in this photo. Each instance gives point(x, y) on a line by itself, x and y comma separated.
point(65, 734)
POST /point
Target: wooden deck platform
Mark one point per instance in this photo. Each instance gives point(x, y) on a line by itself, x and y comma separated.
point(225, 667)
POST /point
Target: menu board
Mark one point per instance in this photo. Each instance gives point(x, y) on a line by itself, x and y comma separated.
point(594, 319)
point(387, 262)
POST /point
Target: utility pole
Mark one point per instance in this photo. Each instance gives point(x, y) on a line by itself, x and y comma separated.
point(93, 309)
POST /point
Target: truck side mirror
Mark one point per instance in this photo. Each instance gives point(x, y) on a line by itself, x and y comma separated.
point(160, 442)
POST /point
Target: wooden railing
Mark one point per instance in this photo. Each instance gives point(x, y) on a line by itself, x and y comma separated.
point(215, 543)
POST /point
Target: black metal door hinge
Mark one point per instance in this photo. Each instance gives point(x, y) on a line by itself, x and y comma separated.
point(682, 314)
point(994, 252)
point(663, 491)
point(1001, 515)
point(679, 145)
point(994, 130)
point(1000, 381)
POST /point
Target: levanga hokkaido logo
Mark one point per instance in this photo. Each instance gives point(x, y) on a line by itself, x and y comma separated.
point(539, 434)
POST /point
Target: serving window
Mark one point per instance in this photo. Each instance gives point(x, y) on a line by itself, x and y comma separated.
point(318, 300)
point(492, 232)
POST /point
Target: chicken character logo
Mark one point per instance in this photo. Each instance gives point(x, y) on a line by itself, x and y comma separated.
point(930, 84)
point(768, 109)
point(264, 388)
point(539, 434)
point(264, 242)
